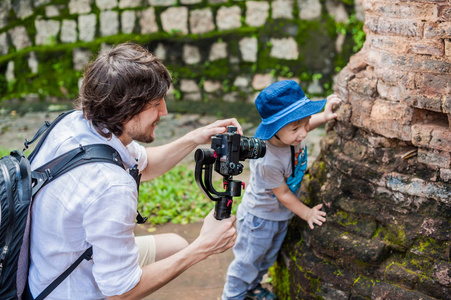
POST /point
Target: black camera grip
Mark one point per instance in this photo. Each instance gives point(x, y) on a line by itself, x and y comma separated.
point(223, 208)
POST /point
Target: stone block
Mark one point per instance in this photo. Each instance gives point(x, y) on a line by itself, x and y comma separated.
point(387, 26)
point(192, 97)
point(109, 23)
point(128, 20)
point(160, 52)
point(189, 86)
point(396, 77)
point(46, 31)
point(211, 86)
point(429, 101)
point(162, 2)
point(22, 8)
point(190, 2)
point(201, 21)
point(218, 51)
point(446, 106)
point(363, 85)
point(191, 54)
point(398, 274)
point(437, 229)
point(68, 31)
point(417, 187)
point(397, 44)
point(260, 81)
point(106, 4)
point(4, 46)
point(432, 136)
point(285, 48)
point(5, 6)
point(9, 74)
point(52, 11)
point(87, 27)
point(79, 6)
point(256, 13)
point(129, 3)
point(19, 37)
point(309, 9)
point(388, 92)
point(147, 21)
point(241, 82)
point(337, 10)
point(38, 3)
point(228, 17)
point(248, 49)
point(282, 9)
point(175, 20)
point(33, 63)
point(434, 158)
point(81, 58)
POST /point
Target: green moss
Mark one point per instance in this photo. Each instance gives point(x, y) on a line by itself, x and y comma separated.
point(281, 280)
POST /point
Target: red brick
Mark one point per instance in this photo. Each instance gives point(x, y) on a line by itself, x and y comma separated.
point(448, 48)
point(408, 63)
point(364, 83)
point(388, 43)
point(391, 119)
point(432, 136)
point(436, 48)
point(387, 91)
point(430, 101)
point(434, 83)
point(439, 30)
point(361, 110)
point(446, 105)
point(395, 9)
point(445, 175)
point(389, 75)
point(444, 12)
point(409, 28)
point(434, 158)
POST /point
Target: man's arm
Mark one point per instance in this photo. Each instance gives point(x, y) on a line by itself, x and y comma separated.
point(310, 215)
point(215, 237)
point(328, 114)
point(161, 159)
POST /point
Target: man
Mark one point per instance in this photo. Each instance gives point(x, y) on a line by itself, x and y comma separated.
point(121, 101)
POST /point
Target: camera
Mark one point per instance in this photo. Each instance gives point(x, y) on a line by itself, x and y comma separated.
point(231, 148)
point(227, 150)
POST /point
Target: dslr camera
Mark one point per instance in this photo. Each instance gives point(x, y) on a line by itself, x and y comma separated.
point(226, 152)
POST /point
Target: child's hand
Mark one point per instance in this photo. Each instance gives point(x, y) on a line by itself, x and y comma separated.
point(315, 215)
point(333, 101)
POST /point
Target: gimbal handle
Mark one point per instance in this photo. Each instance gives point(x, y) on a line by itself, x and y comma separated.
point(205, 158)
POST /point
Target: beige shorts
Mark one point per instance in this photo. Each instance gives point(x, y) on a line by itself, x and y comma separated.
point(147, 249)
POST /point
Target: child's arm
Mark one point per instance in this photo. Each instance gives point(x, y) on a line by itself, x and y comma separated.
point(328, 114)
point(311, 215)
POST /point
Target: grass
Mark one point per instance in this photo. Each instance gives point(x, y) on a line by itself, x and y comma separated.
point(173, 197)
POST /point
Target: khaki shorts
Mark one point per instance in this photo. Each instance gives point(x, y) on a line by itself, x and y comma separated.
point(147, 249)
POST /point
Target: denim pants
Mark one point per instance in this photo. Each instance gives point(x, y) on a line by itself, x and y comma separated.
point(256, 249)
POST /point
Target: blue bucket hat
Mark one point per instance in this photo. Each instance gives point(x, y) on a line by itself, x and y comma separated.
point(281, 103)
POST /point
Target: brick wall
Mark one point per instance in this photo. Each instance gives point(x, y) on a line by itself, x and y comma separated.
point(384, 172)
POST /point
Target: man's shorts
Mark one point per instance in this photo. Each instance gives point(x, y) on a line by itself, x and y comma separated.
point(147, 249)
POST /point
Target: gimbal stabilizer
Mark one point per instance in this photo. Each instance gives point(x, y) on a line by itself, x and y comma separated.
point(226, 151)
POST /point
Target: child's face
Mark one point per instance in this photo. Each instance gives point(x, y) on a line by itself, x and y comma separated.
point(293, 133)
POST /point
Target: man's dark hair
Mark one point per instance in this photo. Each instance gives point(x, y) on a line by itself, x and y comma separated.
point(119, 84)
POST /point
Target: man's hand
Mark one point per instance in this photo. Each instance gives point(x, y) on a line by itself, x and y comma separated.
point(216, 236)
point(315, 215)
point(203, 135)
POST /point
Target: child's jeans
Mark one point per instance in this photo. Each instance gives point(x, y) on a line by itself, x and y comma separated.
point(255, 250)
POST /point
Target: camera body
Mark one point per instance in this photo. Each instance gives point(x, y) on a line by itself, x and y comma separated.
point(231, 148)
point(227, 150)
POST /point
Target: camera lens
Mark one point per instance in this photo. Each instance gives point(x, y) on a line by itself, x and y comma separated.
point(251, 147)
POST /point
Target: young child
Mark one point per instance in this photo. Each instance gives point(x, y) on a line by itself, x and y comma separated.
point(271, 198)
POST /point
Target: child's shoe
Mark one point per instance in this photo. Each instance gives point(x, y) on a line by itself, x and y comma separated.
point(260, 293)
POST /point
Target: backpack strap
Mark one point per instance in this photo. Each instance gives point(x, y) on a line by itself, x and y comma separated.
point(86, 255)
point(47, 127)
